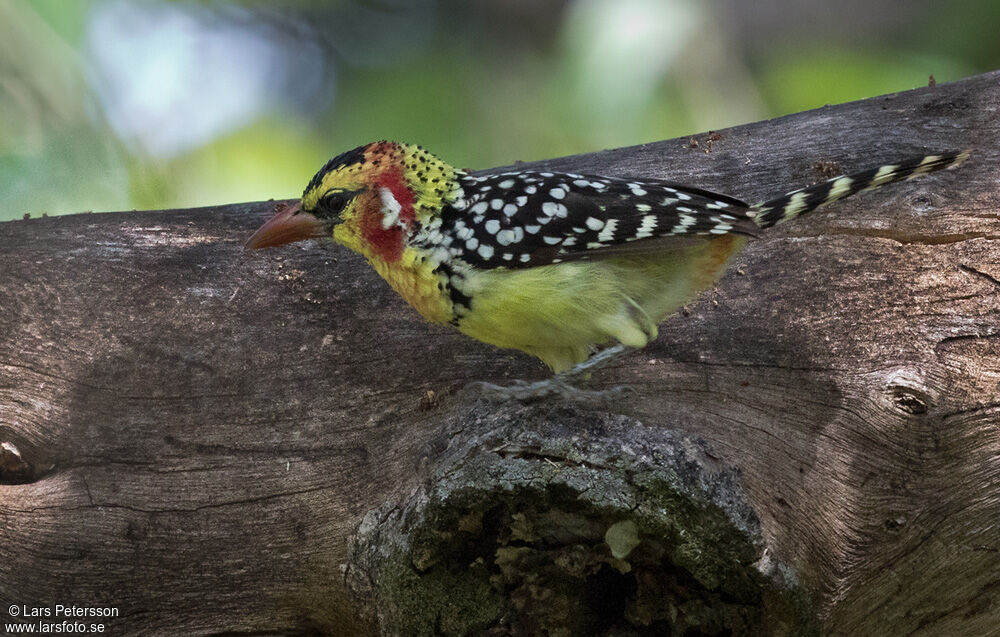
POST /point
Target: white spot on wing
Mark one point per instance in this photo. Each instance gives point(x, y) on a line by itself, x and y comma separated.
point(649, 223)
point(508, 237)
point(608, 233)
point(683, 223)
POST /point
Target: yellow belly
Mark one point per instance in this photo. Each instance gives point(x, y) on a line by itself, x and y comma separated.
point(558, 312)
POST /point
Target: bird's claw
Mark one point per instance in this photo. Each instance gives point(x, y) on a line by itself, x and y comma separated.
point(528, 391)
point(560, 384)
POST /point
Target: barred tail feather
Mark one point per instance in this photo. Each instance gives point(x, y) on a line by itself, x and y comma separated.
point(799, 202)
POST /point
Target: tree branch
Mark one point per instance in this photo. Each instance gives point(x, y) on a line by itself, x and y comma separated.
point(220, 442)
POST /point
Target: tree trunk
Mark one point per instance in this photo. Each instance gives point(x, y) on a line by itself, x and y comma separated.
point(215, 442)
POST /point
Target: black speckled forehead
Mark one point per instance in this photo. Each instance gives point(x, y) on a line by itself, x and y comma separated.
point(354, 156)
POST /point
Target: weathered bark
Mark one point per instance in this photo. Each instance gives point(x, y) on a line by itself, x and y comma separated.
point(220, 442)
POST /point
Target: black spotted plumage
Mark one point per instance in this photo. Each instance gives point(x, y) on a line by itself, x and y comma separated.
point(531, 218)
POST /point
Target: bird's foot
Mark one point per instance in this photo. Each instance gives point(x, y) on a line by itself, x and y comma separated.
point(595, 362)
point(555, 386)
point(559, 384)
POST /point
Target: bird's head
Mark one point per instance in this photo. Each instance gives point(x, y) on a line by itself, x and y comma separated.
point(369, 199)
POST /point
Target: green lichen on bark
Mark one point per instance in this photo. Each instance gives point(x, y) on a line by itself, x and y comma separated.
point(510, 535)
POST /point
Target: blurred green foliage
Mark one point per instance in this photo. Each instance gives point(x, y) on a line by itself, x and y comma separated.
point(111, 105)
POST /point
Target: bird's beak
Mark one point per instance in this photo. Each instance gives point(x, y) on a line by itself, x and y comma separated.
point(288, 225)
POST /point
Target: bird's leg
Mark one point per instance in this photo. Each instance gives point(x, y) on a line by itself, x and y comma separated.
point(560, 383)
point(595, 361)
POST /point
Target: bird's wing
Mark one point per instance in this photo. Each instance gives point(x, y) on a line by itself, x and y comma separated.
point(527, 219)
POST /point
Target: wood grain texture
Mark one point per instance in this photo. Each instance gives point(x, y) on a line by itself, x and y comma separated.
point(217, 442)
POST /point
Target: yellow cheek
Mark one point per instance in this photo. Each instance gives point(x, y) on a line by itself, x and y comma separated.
point(348, 236)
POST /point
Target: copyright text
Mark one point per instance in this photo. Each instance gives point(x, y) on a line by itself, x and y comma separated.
point(54, 619)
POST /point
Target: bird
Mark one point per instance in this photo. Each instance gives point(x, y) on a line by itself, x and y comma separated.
point(573, 269)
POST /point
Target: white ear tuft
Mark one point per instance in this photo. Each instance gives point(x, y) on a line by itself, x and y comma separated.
point(390, 209)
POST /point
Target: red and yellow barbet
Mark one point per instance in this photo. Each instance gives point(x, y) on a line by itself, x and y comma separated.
point(552, 264)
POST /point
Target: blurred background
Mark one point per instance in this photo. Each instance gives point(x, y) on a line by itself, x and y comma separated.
point(114, 104)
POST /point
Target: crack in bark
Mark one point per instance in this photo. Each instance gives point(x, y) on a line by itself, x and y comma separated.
point(971, 270)
point(71, 381)
point(525, 453)
point(901, 238)
point(114, 392)
point(970, 410)
point(202, 507)
point(965, 337)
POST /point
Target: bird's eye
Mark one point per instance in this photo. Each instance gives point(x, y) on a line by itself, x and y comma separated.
point(334, 202)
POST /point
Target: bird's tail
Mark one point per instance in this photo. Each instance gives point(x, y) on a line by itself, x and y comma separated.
point(799, 202)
